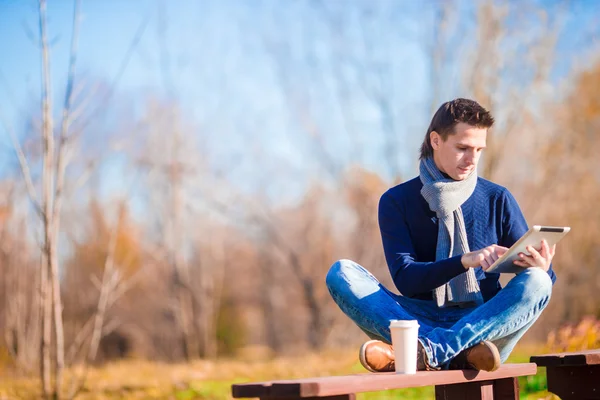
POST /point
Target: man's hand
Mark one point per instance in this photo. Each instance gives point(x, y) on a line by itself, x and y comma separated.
point(540, 259)
point(484, 257)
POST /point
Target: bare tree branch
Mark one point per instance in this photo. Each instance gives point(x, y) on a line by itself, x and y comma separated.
point(62, 161)
point(79, 340)
point(106, 287)
point(47, 189)
point(82, 179)
point(111, 90)
point(25, 171)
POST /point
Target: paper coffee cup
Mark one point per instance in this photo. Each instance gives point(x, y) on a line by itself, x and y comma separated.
point(404, 340)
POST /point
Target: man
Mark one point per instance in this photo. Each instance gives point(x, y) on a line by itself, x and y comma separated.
point(440, 232)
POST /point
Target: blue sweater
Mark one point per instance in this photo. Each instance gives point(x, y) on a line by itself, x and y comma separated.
point(409, 231)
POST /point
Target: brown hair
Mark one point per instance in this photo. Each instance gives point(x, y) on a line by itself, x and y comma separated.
point(451, 113)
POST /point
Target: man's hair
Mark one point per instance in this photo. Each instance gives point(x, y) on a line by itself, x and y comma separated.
point(451, 113)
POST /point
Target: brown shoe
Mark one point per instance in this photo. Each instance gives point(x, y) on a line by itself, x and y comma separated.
point(483, 356)
point(377, 356)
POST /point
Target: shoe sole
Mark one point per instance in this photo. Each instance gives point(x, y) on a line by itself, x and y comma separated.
point(363, 357)
point(496, 356)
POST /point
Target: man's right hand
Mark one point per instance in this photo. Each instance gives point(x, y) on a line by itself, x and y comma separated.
point(484, 257)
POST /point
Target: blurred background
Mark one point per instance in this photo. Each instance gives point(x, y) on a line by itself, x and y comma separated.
point(177, 177)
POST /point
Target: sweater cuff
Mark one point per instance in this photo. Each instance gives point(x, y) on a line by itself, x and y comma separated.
point(453, 266)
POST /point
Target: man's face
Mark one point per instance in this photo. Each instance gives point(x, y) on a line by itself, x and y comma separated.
point(458, 156)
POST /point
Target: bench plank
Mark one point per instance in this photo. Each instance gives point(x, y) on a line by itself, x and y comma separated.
point(351, 396)
point(572, 375)
point(588, 357)
point(506, 389)
point(501, 389)
point(574, 382)
point(255, 389)
point(475, 390)
point(339, 385)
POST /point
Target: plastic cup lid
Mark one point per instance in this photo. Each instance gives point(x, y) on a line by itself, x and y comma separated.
point(396, 323)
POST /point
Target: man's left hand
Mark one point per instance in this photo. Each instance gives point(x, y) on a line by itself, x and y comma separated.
point(540, 259)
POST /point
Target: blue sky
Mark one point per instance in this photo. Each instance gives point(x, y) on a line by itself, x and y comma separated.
point(215, 63)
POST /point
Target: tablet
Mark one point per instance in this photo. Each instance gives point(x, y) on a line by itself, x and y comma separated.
point(533, 237)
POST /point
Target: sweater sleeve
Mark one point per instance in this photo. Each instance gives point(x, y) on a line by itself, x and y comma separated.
point(411, 277)
point(514, 225)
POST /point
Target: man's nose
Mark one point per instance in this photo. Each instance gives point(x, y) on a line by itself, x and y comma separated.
point(471, 158)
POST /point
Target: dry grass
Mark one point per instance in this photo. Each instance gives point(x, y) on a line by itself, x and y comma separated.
point(212, 380)
point(198, 379)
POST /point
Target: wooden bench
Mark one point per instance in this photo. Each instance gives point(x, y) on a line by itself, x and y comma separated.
point(573, 375)
point(449, 385)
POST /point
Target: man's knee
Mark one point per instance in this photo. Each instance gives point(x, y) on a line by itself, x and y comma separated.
point(347, 277)
point(340, 273)
point(538, 284)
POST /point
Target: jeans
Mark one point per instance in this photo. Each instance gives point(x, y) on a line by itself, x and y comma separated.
point(443, 332)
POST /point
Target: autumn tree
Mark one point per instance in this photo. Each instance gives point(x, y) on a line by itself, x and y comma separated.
point(565, 190)
point(19, 303)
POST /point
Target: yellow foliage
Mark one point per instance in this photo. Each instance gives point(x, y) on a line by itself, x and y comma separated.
point(6, 360)
point(363, 186)
point(92, 253)
point(586, 94)
point(575, 337)
point(4, 213)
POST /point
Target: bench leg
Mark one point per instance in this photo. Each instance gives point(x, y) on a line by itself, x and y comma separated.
point(500, 389)
point(578, 382)
point(350, 396)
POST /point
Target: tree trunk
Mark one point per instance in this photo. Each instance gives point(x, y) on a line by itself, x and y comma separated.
point(46, 310)
point(315, 327)
point(58, 319)
point(35, 321)
point(267, 304)
point(190, 342)
point(51, 283)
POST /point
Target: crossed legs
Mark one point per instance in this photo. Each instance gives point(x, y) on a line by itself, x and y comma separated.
point(443, 333)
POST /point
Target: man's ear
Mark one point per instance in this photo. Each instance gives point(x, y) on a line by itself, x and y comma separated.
point(435, 140)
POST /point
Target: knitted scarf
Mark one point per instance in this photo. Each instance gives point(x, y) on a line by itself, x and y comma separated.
point(445, 197)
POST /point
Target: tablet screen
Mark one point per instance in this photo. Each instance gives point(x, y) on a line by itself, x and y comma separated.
point(533, 237)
